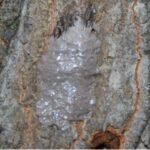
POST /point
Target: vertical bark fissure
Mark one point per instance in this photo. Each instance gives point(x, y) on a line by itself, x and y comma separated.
point(135, 21)
point(29, 132)
point(79, 126)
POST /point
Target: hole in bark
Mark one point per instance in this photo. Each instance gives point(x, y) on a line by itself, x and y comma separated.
point(102, 146)
point(109, 139)
point(93, 30)
point(1, 129)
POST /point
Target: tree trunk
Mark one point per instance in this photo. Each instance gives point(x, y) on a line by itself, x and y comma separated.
point(116, 32)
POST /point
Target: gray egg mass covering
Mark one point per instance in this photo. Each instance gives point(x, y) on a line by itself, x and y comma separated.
point(65, 76)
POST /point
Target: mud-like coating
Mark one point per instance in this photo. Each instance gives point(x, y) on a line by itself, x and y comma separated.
point(66, 76)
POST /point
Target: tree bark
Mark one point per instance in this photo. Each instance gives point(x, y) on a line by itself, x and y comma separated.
point(120, 117)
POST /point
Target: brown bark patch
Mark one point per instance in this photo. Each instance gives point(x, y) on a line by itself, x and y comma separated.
point(110, 139)
point(79, 125)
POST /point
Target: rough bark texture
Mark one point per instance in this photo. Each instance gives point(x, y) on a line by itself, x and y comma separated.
point(120, 118)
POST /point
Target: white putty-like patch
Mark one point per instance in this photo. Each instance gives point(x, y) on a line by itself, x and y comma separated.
point(65, 76)
point(115, 80)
